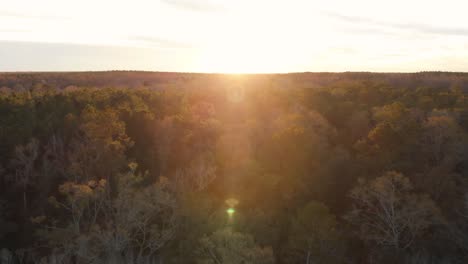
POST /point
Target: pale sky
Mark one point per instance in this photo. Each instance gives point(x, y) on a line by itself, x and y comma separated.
point(233, 35)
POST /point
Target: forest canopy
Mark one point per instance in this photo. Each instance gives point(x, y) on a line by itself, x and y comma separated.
point(142, 167)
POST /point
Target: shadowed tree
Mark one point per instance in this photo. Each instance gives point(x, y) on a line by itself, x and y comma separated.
point(229, 247)
point(24, 163)
point(314, 237)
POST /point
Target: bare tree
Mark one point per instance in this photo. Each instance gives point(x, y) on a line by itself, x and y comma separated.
point(389, 213)
point(228, 247)
point(134, 224)
point(196, 177)
point(24, 161)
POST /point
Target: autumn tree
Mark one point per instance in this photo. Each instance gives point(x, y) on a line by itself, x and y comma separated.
point(443, 146)
point(98, 149)
point(443, 140)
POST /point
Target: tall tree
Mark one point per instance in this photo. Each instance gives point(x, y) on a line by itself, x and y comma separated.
point(388, 212)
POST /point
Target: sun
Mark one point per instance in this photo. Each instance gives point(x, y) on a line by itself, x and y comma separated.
point(249, 54)
point(253, 45)
point(238, 49)
point(235, 59)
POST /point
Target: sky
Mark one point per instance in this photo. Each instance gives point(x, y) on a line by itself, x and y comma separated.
point(234, 36)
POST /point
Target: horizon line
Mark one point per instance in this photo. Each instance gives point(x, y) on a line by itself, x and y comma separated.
point(231, 73)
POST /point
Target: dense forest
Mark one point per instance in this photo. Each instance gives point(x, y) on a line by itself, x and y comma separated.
point(142, 167)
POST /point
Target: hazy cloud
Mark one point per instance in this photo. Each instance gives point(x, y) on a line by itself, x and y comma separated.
point(196, 5)
point(160, 42)
point(343, 50)
point(4, 13)
point(418, 27)
point(7, 30)
point(36, 56)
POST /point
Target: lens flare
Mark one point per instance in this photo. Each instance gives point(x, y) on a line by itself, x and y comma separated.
point(230, 211)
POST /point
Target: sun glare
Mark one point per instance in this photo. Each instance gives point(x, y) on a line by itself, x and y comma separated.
point(235, 58)
point(250, 45)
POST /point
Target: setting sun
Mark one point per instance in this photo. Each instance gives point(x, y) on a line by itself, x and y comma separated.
point(236, 58)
